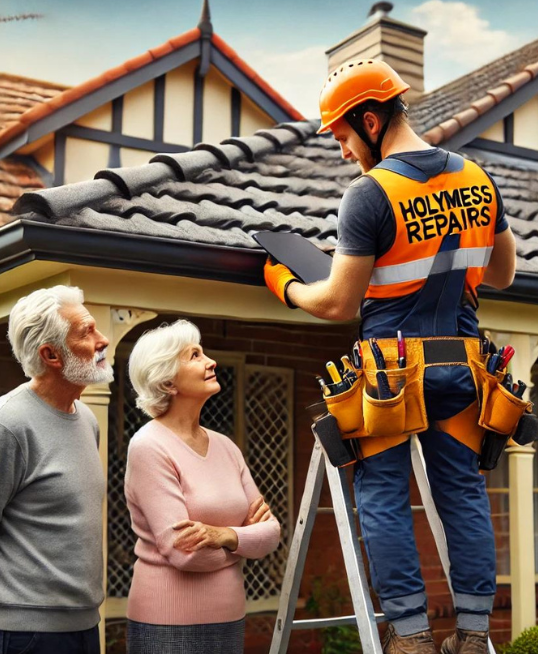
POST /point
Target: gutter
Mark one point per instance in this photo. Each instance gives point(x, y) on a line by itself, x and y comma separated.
point(24, 241)
point(524, 289)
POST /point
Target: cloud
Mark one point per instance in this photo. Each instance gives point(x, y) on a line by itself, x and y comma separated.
point(459, 39)
point(297, 75)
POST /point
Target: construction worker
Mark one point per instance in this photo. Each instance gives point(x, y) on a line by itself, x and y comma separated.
point(418, 231)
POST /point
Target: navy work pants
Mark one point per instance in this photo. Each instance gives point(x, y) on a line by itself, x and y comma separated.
point(459, 492)
point(32, 642)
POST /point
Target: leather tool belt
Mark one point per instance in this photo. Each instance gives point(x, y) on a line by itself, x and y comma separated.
point(359, 413)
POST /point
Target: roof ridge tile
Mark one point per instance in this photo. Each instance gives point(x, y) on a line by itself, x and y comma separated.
point(187, 165)
point(279, 136)
point(63, 200)
point(253, 146)
point(302, 128)
point(228, 154)
point(131, 181)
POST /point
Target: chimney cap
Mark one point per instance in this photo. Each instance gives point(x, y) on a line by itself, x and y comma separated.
point(383, 8)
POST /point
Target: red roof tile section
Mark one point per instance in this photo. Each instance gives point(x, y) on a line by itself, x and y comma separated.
point(15, 179)
point(19, 94)
point(253, 75)
point(445, 130)
point(48, 105)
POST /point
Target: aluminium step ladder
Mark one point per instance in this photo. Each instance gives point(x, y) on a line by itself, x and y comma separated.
point(364, 616)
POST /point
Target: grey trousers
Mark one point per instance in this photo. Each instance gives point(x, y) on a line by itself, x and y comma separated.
point(216, 638)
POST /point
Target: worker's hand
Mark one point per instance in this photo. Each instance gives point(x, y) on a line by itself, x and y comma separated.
point(194, 536)
point(278, 277)
point(258, 511)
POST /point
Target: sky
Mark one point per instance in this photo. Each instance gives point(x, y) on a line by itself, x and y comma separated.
point(69, 41)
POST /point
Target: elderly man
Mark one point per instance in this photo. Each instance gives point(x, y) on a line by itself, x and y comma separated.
point(51, 482)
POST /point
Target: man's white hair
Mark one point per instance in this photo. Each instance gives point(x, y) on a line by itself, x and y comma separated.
point(154, 362)
point(35, 320)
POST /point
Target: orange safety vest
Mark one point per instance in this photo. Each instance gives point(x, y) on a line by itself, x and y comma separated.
point(461, 201)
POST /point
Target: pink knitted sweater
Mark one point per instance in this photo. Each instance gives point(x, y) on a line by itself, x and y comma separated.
point(166, 481)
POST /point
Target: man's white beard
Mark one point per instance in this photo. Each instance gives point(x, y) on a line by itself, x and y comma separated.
point(83, 372)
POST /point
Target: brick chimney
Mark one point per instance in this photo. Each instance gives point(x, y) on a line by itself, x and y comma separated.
point(382, 37)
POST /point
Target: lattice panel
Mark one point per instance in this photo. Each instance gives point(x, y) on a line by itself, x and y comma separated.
point(219, 411)
point(268, 425)
point(124, 420)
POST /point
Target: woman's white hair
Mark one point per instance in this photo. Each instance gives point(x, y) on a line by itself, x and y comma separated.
point(154, 362)
point(36, 320)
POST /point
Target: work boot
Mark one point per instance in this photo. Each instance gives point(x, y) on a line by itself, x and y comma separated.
point(421, 643)
point(466, 642)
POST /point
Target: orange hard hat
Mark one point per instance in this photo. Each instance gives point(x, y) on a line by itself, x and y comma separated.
point(355, 82)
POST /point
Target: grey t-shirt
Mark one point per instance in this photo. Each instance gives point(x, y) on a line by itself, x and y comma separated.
point(51, 494)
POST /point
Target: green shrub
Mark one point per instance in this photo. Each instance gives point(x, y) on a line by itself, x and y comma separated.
point(327, 601)
point(525, 643)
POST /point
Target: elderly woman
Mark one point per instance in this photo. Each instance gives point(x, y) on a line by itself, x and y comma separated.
point(194, 506)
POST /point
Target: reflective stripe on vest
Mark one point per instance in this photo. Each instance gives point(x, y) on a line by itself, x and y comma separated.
point(444, 261)
point(461, 201)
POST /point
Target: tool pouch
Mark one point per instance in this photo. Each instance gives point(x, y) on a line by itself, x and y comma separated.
point(347, 409)
point(340, 452)
point(500, 411)
point(493, 446)
point(384, 417)
point(405, 412)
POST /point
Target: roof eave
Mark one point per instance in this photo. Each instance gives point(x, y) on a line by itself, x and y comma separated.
point(24, 241)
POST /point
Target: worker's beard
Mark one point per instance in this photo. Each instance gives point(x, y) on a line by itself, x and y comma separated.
point(83, 372)
point(365, 159)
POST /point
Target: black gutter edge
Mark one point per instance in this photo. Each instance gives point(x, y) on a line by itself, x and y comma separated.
point(524, 289)
point(24, 241)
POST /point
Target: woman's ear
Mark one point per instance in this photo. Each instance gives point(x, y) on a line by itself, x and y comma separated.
point(170, 388)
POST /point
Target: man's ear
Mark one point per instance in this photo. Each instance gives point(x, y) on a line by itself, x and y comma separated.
point(50, 356)
point(372, 124)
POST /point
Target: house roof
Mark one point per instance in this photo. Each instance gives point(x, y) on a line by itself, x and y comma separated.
point(16, 177)
point(49, 105)
point(213, 199)
point(20, 94)
point(440, 114)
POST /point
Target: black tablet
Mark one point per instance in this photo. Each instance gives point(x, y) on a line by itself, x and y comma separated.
point(296, 252)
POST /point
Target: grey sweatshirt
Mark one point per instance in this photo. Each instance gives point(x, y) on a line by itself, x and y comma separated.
point(51, 493)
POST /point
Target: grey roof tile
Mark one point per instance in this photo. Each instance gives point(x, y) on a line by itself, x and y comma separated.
point(229, 155)
point(133, 181)
point(62, 200)
point(253, 146)
point(279, 136)
point(186, 165)
point(184, 230)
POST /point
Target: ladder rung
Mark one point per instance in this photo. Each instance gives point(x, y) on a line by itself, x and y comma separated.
point(329, 509)
point(322, 623)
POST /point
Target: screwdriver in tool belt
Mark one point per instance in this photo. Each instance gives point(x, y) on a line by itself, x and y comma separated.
point(349, 376)
point(333, 372)
point(357, 355)
point(324, 389)
point(338, 386)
